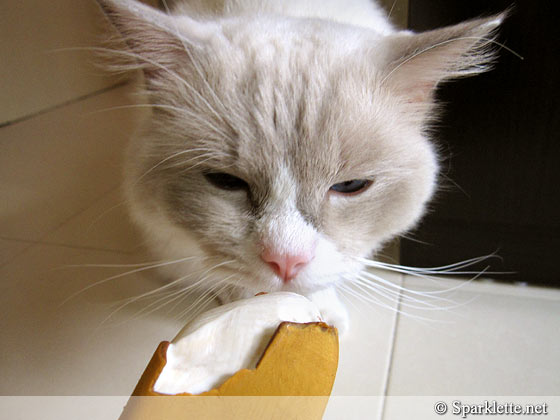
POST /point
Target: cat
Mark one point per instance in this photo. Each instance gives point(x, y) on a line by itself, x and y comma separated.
point(288, 140)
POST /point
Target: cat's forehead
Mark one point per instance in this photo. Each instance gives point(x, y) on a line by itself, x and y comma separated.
point(316, 122)
point(298, 98)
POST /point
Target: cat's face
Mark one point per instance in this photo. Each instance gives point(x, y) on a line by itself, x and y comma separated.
point(283, 149)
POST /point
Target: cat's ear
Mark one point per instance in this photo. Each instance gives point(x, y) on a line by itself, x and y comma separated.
point(415, 64)
point(153, 41)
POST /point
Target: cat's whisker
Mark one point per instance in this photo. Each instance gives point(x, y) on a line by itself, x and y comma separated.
point(201, 286)
point(405, 294)
point(445, 269)
point(146, 264)
point(117, 276)
point(455, 184)
point(163, 288)
point(182, 152)
point(178, 296)
point(215, 293)
point(204, 299)
point(168, 297)
point(364, 297)
point(185, 293)
point(184, 42)
point(423, 305)
point(201, 162)
point(399, 298)
point(434, 274)
point(411, 238)
point(369, 283)
point(368, 286)
point(433, 294)
point(173, 294)
point(205, 274)
point(134, 299)
point(406, 298)
point(368, 299)
point(206, 156)
point(378, 292)
point(392, 8)
point(346, 287)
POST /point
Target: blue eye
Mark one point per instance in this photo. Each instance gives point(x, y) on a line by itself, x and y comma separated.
point(226, 181)
point(355, 186)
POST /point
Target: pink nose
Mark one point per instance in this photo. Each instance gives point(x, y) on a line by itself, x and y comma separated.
point(286, 266)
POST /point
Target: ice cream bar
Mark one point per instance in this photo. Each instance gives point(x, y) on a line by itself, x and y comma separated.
point(292, 378)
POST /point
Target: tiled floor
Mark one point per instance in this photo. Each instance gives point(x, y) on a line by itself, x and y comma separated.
point(61, 216)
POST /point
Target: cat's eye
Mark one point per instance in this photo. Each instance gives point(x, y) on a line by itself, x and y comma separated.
point(226, 181)
point(352, 187)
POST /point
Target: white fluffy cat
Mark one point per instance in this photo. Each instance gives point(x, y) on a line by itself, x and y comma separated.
point(287, 137)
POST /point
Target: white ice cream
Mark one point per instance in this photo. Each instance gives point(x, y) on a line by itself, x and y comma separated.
point(228, 338)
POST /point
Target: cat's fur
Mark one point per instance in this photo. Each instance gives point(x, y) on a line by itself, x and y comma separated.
point(293, 97)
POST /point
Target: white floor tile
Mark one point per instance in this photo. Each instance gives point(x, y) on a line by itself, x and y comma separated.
point(502, 340)
point(58, 164)
point(54, 343)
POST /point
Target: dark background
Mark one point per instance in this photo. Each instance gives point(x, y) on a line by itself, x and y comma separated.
point(500, 135)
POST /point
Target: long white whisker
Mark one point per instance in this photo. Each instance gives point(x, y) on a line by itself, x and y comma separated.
point(392, 8)
point(377, 288)
point(168, 285)
point(182, 152)
point(183, 162)
point(372, 299)
point(168, 298)
point(203, 300)
point(405, 298)
point(130, 301)
point(195, 63)
point(187, 294)
point(431, 294)
point(176, 296)
point(365, 298)
point(142, 268)
point(446, 269)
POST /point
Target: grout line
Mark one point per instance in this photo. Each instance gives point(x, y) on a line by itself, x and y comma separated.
point(62, 104)
point(391, 353)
